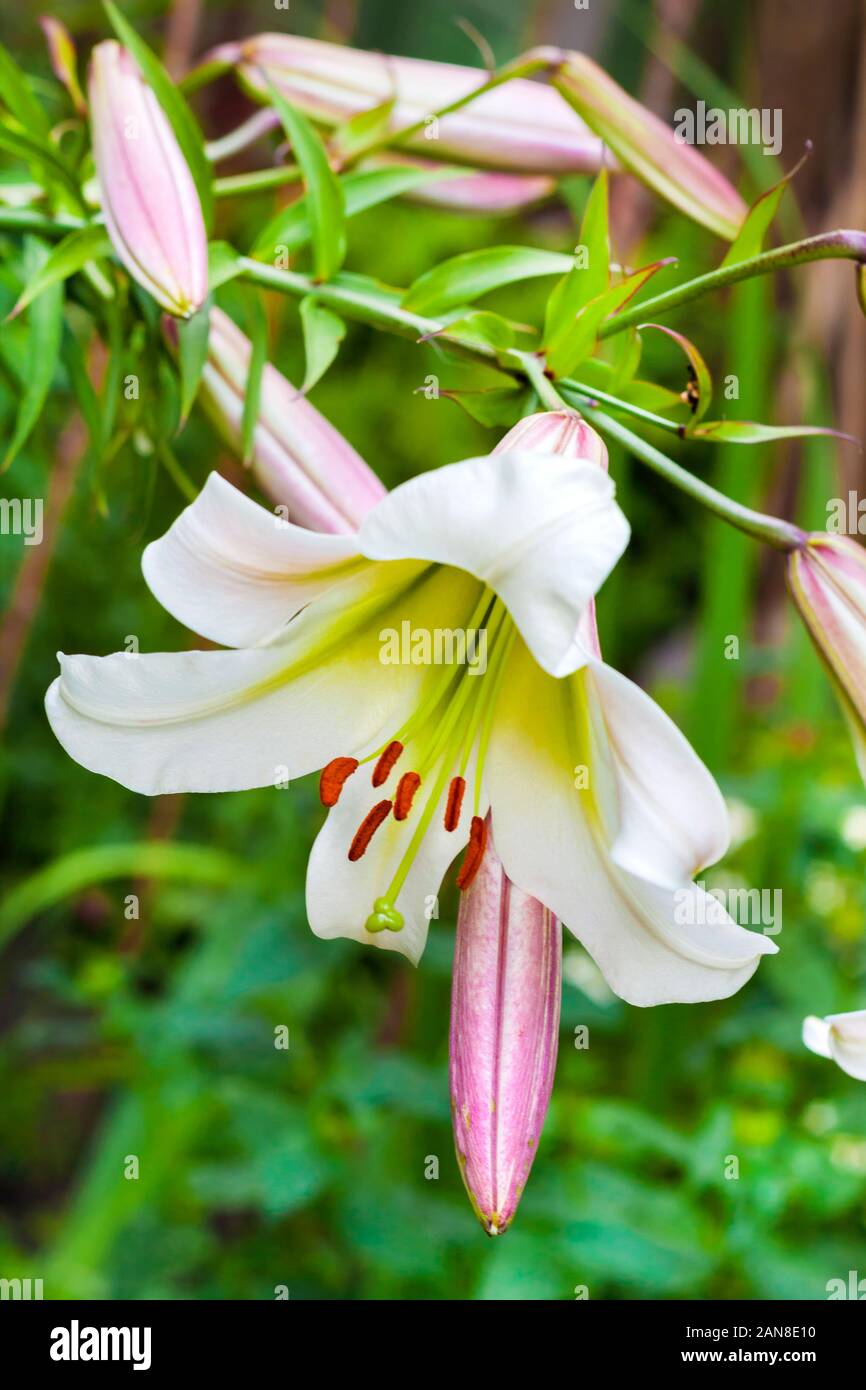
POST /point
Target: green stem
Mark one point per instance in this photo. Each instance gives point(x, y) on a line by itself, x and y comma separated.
point(782, 535)
point(589, 394)
point(838, 245)
point(337, 294)
point(257, 181)
point(350, 300)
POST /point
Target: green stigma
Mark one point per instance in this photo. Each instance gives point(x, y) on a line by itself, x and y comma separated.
point(384, 917)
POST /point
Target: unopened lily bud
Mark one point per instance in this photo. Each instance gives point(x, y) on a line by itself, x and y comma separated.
point(149, 199)
point(522, 126)
point(505, 1004)
point(827, 581)
point(555, 432)
point(647, 147)
point(482, 191)
point(299, 458)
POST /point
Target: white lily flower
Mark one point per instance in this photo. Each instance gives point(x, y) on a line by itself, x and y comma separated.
point(514, 545)
point(842, 1038)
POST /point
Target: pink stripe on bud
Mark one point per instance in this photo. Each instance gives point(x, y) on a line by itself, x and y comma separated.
point(827, 581)
point(149, 199)
point(646, 146)
point(505, 1004)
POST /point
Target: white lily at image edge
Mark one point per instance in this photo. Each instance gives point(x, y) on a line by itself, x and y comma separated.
point(840, 1037)
point(602, 810)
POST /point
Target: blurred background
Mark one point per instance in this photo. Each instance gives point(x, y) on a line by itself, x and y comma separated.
point(152, 1036)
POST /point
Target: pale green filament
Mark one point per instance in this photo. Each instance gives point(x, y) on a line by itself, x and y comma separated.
point(452, 741)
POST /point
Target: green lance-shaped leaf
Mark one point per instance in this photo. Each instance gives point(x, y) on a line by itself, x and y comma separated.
point(363, 130)
point(255, 373)
point(323, 334)
point(69, 256)
point(41, 158)
point(80, 868)
point(192, 340)
point(751, 432)
point(43, 350)
point(466, 277)
point(224, 264)
point(577, 338)
point(181, 119)
point(590, 276)
point(17, 96)
point(325, 202)
point(749, 241)
point(699, 392)
point(291, 228)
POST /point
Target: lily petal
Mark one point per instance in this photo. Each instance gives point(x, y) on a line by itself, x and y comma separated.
point(672, 816)
point(227, 721)
point(542, 530)
point(235, 573)
point(653, 944)
point(841, 1037)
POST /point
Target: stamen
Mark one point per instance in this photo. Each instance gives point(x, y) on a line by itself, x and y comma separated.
point(332, 779)
point(367, 829)
point(474, 852)
point(406, 789)
point(382, 770)
point(454, 804)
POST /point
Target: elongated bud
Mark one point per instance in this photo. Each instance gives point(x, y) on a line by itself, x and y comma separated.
point(522, 126)
point(647, 147)
point(484, 192)
point(149, 199)
point(505, 1002)
point(827, 581)
point(62, 55)
point(299, 458)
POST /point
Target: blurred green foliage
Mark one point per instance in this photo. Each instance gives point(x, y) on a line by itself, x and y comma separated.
point(261, 1167)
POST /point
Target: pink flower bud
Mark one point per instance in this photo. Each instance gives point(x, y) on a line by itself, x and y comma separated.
point(151, 206)
point(827, 581)
point(523, 126)
point(556, 432)
point(648, 147)
point(299, 459)
point(505, 1004)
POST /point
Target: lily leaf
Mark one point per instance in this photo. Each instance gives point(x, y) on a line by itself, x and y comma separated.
point(292, 226)
point(590, 276)
point(224, 264)
point(749, 240)
point(42, 157)
point(699, 391)
point(323, 334)
point(464, 278)
point(184, 124)
point(363, 130)
point(325, 202)
point(43, 349)
point(255, 373)
point(750, 432)
point(482, 326)
point(65, 259)
point(577, 339)
point(192, 340)
point(16, 93)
